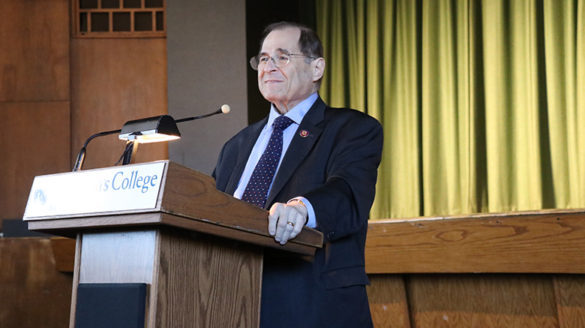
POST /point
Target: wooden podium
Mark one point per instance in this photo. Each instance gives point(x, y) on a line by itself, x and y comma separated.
point(197, 250)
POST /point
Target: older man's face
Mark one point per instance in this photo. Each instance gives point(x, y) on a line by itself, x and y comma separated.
point(288, 85)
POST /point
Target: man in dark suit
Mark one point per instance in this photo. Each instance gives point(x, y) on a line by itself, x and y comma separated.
point(312, 165)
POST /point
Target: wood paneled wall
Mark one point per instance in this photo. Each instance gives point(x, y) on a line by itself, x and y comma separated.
point(34, 97)
point(56, 91)
point(114, 81)
point(35, 50)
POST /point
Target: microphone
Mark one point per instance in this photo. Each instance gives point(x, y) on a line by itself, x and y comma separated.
point(224, 109)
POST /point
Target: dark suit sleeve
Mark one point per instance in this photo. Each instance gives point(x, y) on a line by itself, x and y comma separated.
point(343, 203)
point(217, 167)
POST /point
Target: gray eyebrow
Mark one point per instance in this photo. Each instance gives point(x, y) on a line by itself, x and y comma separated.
point(284, 51)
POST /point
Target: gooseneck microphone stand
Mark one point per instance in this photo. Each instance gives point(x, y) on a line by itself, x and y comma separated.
point(81, 156)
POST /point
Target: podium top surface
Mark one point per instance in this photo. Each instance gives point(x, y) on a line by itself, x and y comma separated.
point(159, 193)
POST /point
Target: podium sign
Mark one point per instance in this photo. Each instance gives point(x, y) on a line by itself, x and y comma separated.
point(115, 189)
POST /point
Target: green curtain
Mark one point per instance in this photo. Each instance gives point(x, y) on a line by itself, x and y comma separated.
point(482, 102)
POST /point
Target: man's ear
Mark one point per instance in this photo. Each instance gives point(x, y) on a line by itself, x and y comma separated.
point(318, 68)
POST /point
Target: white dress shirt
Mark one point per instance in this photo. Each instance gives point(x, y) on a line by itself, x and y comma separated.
point(296, 114)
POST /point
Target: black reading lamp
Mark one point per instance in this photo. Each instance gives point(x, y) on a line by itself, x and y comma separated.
point(146, 130)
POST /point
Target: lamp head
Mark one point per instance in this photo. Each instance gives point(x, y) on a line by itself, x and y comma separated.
point(151, 129)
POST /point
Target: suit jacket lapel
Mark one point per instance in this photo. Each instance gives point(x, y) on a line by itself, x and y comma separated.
point(299, 148)
point(246, 148)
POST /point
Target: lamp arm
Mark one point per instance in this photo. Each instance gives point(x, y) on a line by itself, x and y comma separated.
point(198, 117)
point(81, 155)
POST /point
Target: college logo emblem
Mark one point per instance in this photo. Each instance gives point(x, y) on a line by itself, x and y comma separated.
point(39, 196)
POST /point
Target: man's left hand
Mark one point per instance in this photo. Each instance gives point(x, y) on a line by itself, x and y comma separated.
point(285, 221)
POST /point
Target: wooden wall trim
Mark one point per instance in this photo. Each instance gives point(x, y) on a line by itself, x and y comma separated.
point(551, 241)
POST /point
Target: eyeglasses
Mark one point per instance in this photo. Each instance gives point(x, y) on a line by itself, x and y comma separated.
point(281, 60)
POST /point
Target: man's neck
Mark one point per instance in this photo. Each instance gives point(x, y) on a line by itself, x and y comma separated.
point(285, 108)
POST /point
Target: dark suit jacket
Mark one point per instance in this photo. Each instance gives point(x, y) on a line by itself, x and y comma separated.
point(335, 168)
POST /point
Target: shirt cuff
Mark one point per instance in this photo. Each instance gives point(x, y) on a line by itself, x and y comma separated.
point(311, 220)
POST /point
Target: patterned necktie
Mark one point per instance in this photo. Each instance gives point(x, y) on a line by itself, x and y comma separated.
point(257, 189)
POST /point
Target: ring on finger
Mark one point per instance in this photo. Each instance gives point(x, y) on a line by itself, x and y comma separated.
point(291, 224)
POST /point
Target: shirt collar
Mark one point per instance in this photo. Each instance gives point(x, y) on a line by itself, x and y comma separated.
point(296, 113)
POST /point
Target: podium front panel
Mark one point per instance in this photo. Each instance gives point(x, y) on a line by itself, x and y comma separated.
point(117, 257)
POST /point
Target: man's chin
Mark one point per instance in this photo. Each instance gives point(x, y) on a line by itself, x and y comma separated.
point(273, 97)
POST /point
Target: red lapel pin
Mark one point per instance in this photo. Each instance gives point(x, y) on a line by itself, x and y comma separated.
point(304, 133)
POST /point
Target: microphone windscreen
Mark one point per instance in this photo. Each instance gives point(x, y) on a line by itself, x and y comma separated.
point(225, 108)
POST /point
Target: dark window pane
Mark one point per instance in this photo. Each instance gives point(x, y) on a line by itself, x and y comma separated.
point(160, 23)
point(88, 4)
point(100, 22)
point(110, 3)
point(153, 3)
point(143, 21)
point(82, 22)
point(122, 22)
point(132, 4)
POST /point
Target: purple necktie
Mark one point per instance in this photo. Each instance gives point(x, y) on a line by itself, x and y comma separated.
point(257, 189)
